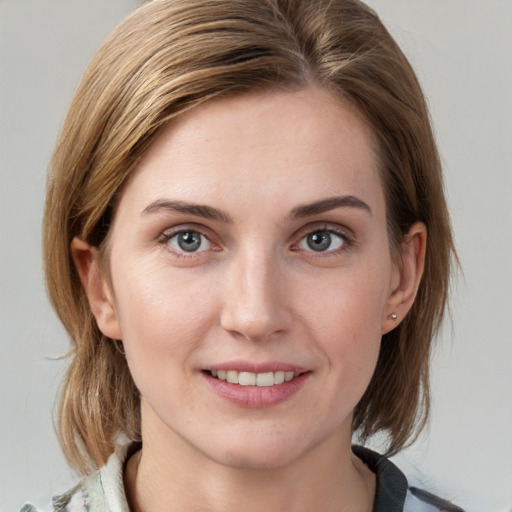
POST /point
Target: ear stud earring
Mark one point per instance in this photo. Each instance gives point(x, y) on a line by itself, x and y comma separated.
point(393, 316)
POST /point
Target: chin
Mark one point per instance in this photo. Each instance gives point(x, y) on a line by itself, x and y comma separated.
point(259, 453)
point(256, 460)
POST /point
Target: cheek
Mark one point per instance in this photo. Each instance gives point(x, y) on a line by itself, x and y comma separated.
point(346, 320)
point(349, 303)
point(352, 353)
point(162, 318)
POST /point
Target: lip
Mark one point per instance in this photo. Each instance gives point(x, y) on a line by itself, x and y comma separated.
point(246, 366)
point(256, 397)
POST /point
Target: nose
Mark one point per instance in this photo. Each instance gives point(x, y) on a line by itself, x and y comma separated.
point(255, 306)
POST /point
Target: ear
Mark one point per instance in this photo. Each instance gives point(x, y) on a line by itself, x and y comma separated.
point(97, 287)
point(406, 281)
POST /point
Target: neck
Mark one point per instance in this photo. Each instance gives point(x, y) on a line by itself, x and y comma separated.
point(328, 478)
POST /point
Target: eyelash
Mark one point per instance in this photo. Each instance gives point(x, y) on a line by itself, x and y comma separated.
point(166, 238)
point(346, 237)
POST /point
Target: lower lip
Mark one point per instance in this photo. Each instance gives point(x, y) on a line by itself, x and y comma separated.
point(256, 397)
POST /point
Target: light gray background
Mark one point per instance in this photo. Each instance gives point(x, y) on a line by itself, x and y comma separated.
point(462, 50)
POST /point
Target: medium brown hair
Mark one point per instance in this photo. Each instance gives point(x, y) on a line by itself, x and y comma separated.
point(171, 55)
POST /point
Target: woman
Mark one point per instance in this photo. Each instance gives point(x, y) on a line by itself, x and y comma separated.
point(247, 239)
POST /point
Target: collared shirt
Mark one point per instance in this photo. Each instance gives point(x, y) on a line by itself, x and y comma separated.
point(104, 491)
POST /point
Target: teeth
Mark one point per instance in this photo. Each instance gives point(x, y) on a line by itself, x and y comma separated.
point(288, 376)
point(246, 379)
point(266, 379)
point(232, 376)
point(279, 377)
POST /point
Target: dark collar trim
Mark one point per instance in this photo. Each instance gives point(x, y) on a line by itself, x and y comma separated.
point(391, 482)
point(434, 500)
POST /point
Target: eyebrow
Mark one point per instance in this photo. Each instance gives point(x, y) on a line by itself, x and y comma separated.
point(299, 212)
point(331, 203)
point(198, 210)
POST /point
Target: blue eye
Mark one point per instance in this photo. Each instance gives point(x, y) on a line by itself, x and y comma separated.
point(189, 241)
point(323, 240)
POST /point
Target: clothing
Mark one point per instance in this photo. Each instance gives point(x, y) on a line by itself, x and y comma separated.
point(103, 491)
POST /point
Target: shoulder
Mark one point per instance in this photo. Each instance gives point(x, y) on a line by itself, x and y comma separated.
point(393, 491)
point(71, 501)
point(102, 491)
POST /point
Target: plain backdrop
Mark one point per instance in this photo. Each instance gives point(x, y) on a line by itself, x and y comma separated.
point(462, 51)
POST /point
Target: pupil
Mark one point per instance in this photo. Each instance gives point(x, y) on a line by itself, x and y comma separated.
point(189, 241)
point(319, 241)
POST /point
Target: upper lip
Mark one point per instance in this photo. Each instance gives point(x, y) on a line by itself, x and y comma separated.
point(263, 367)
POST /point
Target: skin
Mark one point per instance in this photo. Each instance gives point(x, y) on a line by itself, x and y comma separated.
point(254, 291)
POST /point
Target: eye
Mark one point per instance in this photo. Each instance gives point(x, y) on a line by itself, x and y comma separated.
point(188, 241)
point(322, 240)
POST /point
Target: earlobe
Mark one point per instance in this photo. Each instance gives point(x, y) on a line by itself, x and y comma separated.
point(409, 273)
point(88, 263)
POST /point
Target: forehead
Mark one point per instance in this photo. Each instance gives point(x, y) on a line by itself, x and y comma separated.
point(300, 143)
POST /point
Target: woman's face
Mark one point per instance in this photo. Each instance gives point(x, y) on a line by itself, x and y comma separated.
point(251, 245)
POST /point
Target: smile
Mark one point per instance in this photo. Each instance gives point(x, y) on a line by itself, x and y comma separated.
point(266, 379)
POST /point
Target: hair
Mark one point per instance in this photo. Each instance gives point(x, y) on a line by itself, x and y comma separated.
point(169, 56)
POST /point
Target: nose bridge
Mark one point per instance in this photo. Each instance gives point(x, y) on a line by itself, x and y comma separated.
point(254, 305)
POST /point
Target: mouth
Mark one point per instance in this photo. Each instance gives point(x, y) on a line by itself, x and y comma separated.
point(266, 379)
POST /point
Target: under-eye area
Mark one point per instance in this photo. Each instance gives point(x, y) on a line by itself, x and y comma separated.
point(265, 379)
